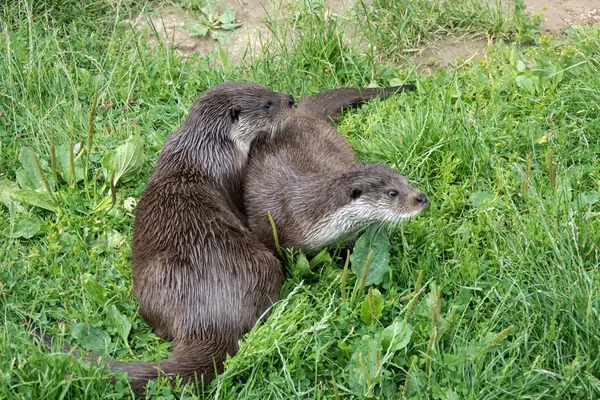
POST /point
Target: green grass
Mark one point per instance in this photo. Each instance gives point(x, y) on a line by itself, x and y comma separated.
point(507, 149)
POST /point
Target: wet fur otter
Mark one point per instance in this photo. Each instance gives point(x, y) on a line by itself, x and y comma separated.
point(309, 180)
point(201, 279)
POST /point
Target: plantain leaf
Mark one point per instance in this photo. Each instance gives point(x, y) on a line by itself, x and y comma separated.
point(94, 289)
point(25, 228)
point(126, 161)
point(197, 29)
point(8, 187)
point(38, 198)
point(120, 322)
point(376, 239)
point(302, 267)
point(527, 83)
point(363, 365)
point(28, 176)
point(365, 309)
point(63, 164)
point(396, 336)
point(220, 37)
point(91, 338)
point(227, 16)
point(322, 258)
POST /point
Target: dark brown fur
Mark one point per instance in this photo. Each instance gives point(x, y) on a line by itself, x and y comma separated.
point(309, 173)
point(202, 280)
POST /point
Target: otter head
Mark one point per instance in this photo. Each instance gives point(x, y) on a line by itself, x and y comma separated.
point(377, 193)
point(249, 112)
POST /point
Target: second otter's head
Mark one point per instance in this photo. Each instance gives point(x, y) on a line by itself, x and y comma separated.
point(245, 112)
point(377, 193)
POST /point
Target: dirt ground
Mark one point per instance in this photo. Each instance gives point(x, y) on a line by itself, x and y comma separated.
point(252, 14)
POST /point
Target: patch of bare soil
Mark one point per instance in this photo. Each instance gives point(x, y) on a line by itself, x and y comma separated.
point(442, 54)
point(563, 13)
point(559, 15)
point(168, 21)
point(167, 24)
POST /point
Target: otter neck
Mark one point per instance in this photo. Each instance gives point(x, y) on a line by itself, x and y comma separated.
point(203, 149)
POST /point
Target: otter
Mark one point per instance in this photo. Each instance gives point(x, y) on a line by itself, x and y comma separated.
point(317, 193)
point(201, 278)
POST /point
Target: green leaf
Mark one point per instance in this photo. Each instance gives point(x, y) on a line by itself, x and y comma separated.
point(91, 338)
point(28, 176)
point(376, 239)
point(564, 189)
point(120, 322)
point(210, 10)
point(63, 164)
point(521, 66)
point(365, 309)
point(197, 29)
point(220, 37)
point(396, 336)
point(110, 239)
point(94, 289)
point(7, 188)
point(25, 228)
point(322, 258)
point(589, 198)
point(364, 361)
point(227, 16)
point(104, 204)
point(35, 198)
point(396, 82)
point(556, 73)
point(126, 161)
point(302, 267)
point(527, 83)
point(229, 27)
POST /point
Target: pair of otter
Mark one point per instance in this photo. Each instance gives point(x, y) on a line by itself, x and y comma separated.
point(202, 278)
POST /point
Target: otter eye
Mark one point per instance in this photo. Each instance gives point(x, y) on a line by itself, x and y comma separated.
point(268, 105)
point(393, 193)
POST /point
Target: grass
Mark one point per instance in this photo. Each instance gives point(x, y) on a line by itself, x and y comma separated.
point(507, 304)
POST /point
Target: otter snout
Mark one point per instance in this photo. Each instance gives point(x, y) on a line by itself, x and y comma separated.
point(421, 199)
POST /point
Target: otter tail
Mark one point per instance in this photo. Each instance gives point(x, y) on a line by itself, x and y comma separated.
point(201, 358)
point(328, 105)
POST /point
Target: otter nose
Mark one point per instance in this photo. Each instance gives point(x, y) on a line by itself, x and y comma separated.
point(290, 100)
point(421, 199)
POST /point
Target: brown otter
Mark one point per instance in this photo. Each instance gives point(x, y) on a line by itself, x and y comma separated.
point(316, 192)
point(202, 280)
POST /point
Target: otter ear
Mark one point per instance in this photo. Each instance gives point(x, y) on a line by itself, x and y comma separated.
point(235, 112)
point(355, 193)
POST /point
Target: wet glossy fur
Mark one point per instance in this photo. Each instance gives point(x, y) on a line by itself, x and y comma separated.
point(201, 279)
point(309, 180)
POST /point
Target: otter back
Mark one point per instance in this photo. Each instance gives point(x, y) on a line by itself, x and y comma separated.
point(309, 180)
